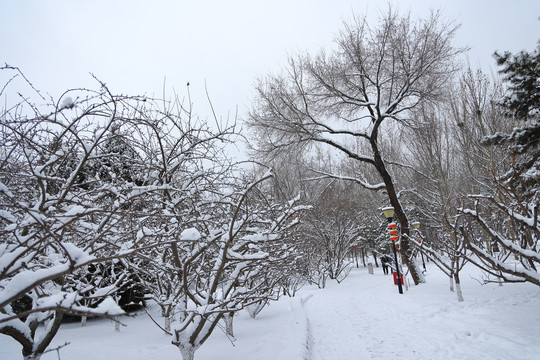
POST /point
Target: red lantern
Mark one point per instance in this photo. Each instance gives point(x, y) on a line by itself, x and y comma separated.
point(396, 280)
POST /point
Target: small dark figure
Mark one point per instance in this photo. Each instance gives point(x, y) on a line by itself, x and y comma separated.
point(386, 262)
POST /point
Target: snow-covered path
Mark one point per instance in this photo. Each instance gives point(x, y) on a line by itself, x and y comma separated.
point(363, 318)
point(366, 322)
point(334, 329)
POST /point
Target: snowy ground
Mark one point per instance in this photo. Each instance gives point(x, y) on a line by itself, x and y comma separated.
point(362, 318)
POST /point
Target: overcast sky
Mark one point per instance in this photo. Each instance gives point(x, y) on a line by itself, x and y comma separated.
point(134, 45)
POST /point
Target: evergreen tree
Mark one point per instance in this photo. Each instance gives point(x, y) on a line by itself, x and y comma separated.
point(522, 102)
point(522, 72)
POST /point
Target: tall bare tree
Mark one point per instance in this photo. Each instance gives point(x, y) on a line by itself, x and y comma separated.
point(356, 93)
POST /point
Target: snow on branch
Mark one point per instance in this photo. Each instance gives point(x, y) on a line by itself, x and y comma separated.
point(508, 244)
point(363, 183)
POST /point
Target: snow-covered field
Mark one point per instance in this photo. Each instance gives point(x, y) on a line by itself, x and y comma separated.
point(362, 318)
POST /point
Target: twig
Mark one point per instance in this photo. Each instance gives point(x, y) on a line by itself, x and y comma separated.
point(6, 66)
point(57, 349)
point(155, 322)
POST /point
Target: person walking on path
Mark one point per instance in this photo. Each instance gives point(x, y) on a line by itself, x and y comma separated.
point(386, 262)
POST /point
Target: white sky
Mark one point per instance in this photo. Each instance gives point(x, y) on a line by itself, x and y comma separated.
point(133, 45)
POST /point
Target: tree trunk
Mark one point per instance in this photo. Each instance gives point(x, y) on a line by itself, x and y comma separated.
point(168, 323)
point(117, 323)
point(451, 277)
point(406, 250)
point(46, 339)
point(182, 305)
point(255, 309)
point(364, 257)
point(83, 320)
point(228, 318)
point(32, 357)
point(187, 353)
point(458, 287)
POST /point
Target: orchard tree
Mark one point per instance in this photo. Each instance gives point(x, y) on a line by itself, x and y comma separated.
point(56, 216)
point(231, 264)
point(181, 167)
point(356, 93)
point(89, 185)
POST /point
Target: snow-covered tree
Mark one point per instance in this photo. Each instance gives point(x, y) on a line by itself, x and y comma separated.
point(522, 102)
point(89, 186)
point(449, 163)
point(330, 232)
point(57, 217)
point(376, 75)
point(185, 171)
point(230, 264)
point(508, 215)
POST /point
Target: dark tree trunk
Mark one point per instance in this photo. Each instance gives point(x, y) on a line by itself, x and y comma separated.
point(406, 250)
